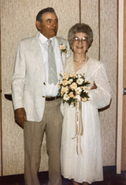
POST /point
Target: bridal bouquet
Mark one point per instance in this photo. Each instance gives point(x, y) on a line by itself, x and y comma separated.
point(73, 88)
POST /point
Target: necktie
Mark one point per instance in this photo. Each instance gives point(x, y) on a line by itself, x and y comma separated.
point(52, 73)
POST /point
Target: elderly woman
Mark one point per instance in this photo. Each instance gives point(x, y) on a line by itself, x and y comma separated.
point(81, 156)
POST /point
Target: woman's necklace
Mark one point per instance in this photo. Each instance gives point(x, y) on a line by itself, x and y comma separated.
point(84, 61)
point(80, 60)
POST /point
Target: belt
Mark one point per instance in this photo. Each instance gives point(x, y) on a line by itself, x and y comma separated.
point(52, 98)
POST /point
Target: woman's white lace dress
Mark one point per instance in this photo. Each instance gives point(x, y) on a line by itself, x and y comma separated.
point(87, 166)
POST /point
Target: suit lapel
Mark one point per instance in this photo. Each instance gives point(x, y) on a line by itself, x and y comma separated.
point(37, 54)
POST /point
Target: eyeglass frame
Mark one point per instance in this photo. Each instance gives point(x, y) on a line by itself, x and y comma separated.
point(82, 40)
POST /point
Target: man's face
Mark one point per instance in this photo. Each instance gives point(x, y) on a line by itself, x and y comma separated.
point(49, 25)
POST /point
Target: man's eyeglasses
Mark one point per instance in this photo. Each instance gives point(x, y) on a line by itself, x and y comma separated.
point(82, 40)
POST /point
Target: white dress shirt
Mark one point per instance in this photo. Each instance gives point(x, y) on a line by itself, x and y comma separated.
point(51, 89)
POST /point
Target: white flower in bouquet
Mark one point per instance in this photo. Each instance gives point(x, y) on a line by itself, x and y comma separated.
point(70, 81)
point(66, 97)
point(80, 81)
point(65, 76)
point(65, 82)
point(73, 85)
point(85, 89)
point(64, 90)
point(78, 90)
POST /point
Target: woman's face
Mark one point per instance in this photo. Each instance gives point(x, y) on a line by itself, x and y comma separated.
point(80, 44)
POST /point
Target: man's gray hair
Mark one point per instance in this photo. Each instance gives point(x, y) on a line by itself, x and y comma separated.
point(40, 13)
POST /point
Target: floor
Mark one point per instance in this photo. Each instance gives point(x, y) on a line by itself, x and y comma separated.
point(110, 178)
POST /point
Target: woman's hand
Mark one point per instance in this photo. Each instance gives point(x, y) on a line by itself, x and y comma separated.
point(94, 86)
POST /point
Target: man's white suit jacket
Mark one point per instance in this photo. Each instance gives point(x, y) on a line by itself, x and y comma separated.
point(28, 81)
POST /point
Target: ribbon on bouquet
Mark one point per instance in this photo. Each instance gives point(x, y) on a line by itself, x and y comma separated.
point(78, 124)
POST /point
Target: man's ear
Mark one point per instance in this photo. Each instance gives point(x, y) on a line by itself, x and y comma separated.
point(37, 23)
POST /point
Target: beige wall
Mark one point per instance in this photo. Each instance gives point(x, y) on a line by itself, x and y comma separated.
point(108, 54)
point(18, 22)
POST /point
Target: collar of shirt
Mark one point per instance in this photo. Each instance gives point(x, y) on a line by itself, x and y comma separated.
point(44, 40)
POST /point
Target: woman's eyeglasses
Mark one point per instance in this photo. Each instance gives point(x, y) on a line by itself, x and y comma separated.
point(82, 40)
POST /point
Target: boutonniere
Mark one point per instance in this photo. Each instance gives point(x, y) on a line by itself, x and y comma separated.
point(63, 49)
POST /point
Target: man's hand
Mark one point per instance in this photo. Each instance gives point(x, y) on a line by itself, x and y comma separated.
point(94, 86)
point(20, 116)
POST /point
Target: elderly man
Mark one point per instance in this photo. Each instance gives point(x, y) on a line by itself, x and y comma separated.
point(39, 59)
